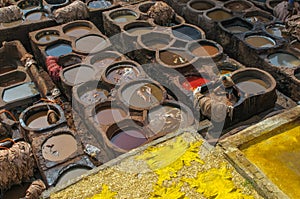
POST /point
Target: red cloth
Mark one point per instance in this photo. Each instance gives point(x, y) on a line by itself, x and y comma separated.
point(192, 82)
point(53, 67)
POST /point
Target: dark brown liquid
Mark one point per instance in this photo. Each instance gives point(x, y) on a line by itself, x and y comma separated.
point(260, 41)
point(201, 6)
point(79, 74)
point(252, 86)
point(59, 147)
point(205, 50)
point(93, 96)
point(128, 139)
point(38, 120)
point(166, 119)
point(237, 6)
point(77, 31)
point(91, 43)
point(71, 174)
point(110, 115)
point(16, 191)
point(219, 15)
point(122, 74)
point(237, 29)
point(142, 95)
point(174, 58)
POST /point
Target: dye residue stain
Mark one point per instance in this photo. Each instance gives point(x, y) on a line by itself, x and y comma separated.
point(128, 139)
point(205, 50)
point(174, 58)
point(284, 59)
point(279, 158)
point(252, 86)
point(58, 49)
point(70, 174)
point(93, 96)
point(59, 147)
point(187, 33)
point(100, 4)
point(192, 82)
point(77, 31)
point(109, 116)
point(38, 120)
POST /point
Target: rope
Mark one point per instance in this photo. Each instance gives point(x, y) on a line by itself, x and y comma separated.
point(9, 113)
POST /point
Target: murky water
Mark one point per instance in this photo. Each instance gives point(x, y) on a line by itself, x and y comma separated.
point(79, 74)
point(58, 49)
point(126, 18)
point(205, 50)
point(219, 15)
point(187, 33)
point(48, 38)
point(121, 74)
point(91, 43)
point(284, 59)
point(71, 174)
point(77, 31)
point(237, 29)
point(93, 96)
point(99, 4)
point(252, 86)
point(257, 18)
point(279, 159)
point(276, 30)
point(237, 6)
point(109, 116)
point(142, 95)
point(156, 44)
point(139, 30)
point(202, 6)
point(59, 147)
point(260, 41)
point(38, 120)
point(22, 91)
point(36, 16)
point(102, 63)
point(128, 139)
point(174, 58)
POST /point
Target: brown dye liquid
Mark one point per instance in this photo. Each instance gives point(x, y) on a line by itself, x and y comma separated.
point(142, 95)
point(48, 38)
point(252, 86)
point(38, 120)
point(219, 15)
point(125, 18)
point(77, 31)
point(174, 58)
point(79, 74)
point(122, 74)
point(91, 43)
point(205, 50)
point(139, 31)
point(201, 6)
point(59, 147)
point(260, 41)
point(166, 119)
point(237, 7)
point(110, 115)
point(128, 139)
point(7, 68)
point(16, 191)
point(278, 157)
point(71, 174)
point(284, 59)
point(257, 18)
point(237, 29)
point(93, 96)
point(104, 62)
point(36, 16)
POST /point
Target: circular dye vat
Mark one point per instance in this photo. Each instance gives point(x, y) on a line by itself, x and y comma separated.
point(192, 82)
point(91, 43)
point(276, 30)
point(205, 50)
point(11, 24)
point(77, 31)
point(124, 16)
point(93, 96)
point(155, 41)
point(59, 147)
point(71, 174)
point(38, 120)
point(258, 18)
point(58, 49)
point(128, 139)
point(187, 33)
point(69, 60)
point(142, 95)
point(201, 5)
point(219, 15)
point(237, 29)
point(238, 6)
point(252, 86)
point(110, 115)
point(121, 73)
point(136, 31)
point(36, 16)
point(174, 57)
point(259, 41)
point(47, 36)
point(78, 74)
point(99, 4)
point(284, 59)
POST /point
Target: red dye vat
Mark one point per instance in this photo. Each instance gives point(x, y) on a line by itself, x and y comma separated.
point(192, 82)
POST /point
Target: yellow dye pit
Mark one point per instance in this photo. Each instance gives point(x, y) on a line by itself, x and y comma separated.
point(279, 158)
